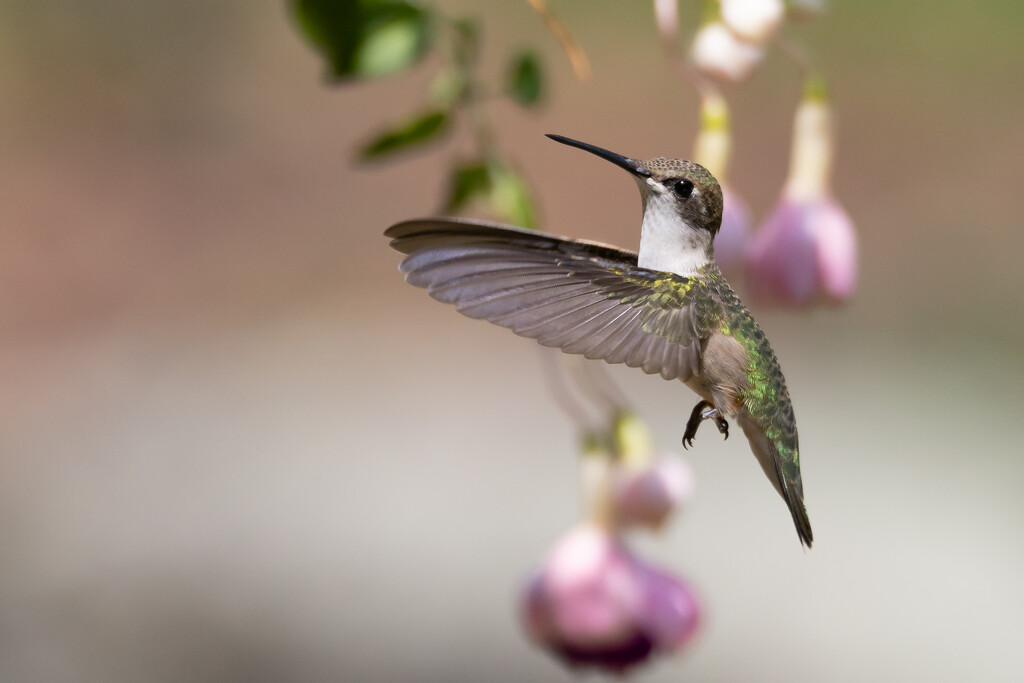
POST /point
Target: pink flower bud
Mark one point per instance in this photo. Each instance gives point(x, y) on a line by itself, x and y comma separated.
point(718, 52)
point(731, 242)
point(753, 20)
point(805, 253)
point(646, 497)
point(593, 603)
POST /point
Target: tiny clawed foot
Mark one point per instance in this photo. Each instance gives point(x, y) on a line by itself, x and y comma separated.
point(696, 417)
point(704, 411)
point(720, 422)
point(723, 426)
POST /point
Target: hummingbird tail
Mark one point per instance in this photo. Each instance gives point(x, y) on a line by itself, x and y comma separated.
point(801, 520)
point(784, 474)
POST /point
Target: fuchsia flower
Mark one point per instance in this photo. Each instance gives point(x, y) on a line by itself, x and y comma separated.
point(593, 603)
point(806, 252)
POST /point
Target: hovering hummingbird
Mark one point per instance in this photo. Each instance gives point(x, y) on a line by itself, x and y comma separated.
point(666, 310)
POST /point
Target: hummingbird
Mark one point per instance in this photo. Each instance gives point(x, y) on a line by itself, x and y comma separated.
point(666, 309)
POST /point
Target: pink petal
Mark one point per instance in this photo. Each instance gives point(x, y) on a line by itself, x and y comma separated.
point(731, 241)
point(805, 253)
point(673, 612)
point(837, 253)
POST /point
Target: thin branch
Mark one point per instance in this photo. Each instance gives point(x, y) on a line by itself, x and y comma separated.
point(577, 57)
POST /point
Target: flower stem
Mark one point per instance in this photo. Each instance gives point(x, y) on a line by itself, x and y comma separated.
point(714, 141)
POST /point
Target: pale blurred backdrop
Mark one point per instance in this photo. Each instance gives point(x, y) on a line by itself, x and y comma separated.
point(235, 446)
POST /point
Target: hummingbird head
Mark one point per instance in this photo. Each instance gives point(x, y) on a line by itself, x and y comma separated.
point(682, 206)
point(682, 187)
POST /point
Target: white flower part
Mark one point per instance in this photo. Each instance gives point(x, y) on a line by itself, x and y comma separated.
point(666, 13)
point(753, 20)
point(719, 53)
point(810, 165)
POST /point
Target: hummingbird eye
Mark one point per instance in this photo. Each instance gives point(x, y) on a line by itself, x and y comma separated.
point(683, 188)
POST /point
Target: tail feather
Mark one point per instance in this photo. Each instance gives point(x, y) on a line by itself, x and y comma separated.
point(783, 474)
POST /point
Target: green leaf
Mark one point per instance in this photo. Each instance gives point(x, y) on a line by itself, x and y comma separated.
point(413, 132)
point(334, 29)
point(525, 82)
point(468, 183)
point(397, 36)
point(365, 38)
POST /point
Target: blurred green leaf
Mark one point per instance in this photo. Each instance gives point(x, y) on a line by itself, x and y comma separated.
point(396, 40)
point(365, 38)
point(510, 198)
point(525, 79)
point(334, 28)
point(448, 87)
point(418, 130)
point(468, 183)
point(494, 187)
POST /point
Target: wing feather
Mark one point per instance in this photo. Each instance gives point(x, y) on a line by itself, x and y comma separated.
point(583, 297)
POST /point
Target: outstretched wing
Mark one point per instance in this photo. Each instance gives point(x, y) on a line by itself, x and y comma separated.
point(582, 297)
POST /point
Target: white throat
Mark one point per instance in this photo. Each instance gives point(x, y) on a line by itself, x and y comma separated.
point(667, 241)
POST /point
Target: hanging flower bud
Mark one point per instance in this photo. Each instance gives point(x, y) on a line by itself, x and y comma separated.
point(712, 150)
point(647, 497)
point(624, 484)
point(806, 252)
point(595, 604)
point(753, 20)
point(719, 53)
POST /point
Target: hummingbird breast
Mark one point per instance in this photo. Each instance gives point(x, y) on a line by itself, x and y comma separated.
point(724, 373)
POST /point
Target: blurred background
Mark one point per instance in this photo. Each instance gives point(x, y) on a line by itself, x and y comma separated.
point(236, 446)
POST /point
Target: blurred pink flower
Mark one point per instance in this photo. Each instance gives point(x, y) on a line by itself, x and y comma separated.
point(648, 496)
point(595, 604)
point(806, 252)
point(731, 241)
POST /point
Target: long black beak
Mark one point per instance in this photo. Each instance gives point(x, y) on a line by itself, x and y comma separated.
point(630, 165)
